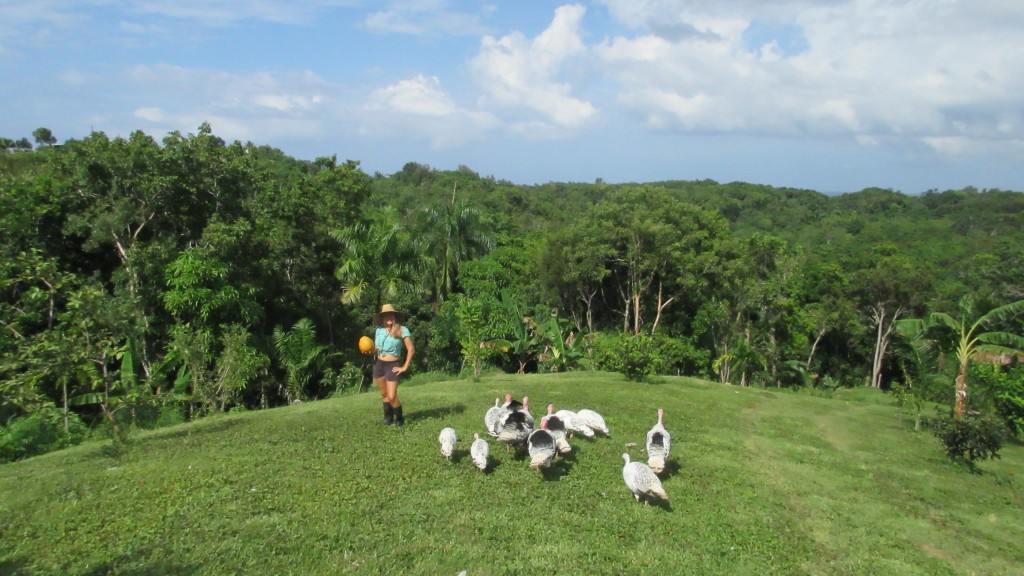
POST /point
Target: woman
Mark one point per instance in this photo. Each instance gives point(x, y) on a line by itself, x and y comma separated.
point(389, 339)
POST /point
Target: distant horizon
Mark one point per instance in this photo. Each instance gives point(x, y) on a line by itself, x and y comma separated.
point(513, 182)
point(804, 94)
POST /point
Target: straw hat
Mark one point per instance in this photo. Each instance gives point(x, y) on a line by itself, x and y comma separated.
point(378, 318)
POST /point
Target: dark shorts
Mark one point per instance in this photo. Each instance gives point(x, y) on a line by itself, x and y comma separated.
point(382, 369)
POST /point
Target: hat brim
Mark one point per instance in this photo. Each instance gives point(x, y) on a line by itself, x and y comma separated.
point(378, 318)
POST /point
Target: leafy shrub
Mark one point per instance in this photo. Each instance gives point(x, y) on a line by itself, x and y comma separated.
point(348, 378)
point(679, 356)
point(635, 357)
point(38, 433)
point(975, 437)
point(1003, 390)
point(639, 357)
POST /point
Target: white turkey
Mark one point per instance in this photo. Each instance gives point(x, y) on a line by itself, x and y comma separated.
point(492, 416)
point(504, 409)
point(447, 439)
point(572, 424)
point(556, 426)
point(642, 481)
point(593, 420)
point(478, 451)
point(541, 445)
point(659, 444)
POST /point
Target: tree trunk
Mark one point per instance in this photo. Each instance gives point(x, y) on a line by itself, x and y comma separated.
point(774, 368)
point(882, 339)
point(661, 306)
point(821, 334)
point(636, 313)
point(64, 401)
point(135, 289)
point(960, 404)
point(588, 299)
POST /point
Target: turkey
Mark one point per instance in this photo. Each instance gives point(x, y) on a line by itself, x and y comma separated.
point(513, 429)
point(478, 451)
point(573, 424)
point(499, 413)
point(541, 445)
point(492, 416)
point(447, 439)
point(642, 481)
point(659, 444)
point(592, 420)
point(556, 426)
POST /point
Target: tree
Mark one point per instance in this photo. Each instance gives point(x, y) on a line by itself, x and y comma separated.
point(300, 355)
point(379, 261)
point(575, 267)
point(44, 137)
point(450, 234)
point(298, 253)
point(970, 341)
point(521, 341)
point(473, 333)
point(205, 284)
point(658, 249)
point(888, 286)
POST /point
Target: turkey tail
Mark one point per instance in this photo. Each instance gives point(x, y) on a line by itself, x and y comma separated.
point(658, 439)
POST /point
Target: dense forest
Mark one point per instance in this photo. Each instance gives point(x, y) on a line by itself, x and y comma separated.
point(148, 282)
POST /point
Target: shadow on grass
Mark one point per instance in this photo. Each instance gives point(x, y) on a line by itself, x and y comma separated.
point(434, 412)
point(656, 503)
point(492, 465)
point(569, 456)
point(154, 568)
point(672, 468)
point(553, 473)
point(13, 566)
point(207, 425)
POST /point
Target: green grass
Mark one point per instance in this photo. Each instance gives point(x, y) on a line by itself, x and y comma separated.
point(760, 481)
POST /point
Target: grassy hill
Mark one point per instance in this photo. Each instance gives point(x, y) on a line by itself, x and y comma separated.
point(760, 482)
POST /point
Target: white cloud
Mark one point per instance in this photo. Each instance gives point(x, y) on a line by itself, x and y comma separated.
point(424, 17)
point(225, 12)
point(419, 108)
point(34, 22)
point(939, 72)
point(419, 95)
point(150, 114)
point(290, 92)
point(262, 107)
point(518, 73)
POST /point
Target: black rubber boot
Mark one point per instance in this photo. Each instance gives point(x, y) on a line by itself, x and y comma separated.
point(388, 413)
point(399, 419)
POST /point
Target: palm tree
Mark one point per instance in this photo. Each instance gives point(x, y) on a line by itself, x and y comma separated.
point(970, 341)
point(301, 356)
point(379, 262)
point(451, 233)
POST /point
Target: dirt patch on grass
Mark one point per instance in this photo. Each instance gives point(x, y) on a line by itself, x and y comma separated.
point(935, 552)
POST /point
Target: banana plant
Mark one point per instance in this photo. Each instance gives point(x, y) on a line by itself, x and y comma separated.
point(966, 334)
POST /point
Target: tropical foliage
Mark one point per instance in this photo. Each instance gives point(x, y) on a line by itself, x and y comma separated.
point(145, 281)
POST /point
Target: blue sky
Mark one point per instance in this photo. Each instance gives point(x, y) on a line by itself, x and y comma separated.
point(829, 95)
